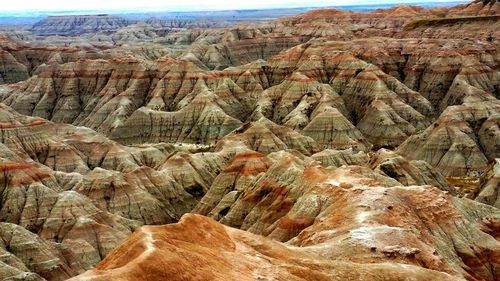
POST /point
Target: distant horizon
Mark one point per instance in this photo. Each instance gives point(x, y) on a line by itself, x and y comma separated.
point(20, 7)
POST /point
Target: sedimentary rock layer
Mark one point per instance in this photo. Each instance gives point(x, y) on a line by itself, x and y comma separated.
point(331, 142)
point(77, 25)
point(489, 192)
point(211, 248)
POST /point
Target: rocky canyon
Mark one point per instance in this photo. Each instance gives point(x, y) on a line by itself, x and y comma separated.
point(317, 144)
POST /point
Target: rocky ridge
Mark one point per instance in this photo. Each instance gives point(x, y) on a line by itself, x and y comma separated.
point(77, 25)
point(310, 134)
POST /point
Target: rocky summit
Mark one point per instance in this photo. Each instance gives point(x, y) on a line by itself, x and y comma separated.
point(324, 144)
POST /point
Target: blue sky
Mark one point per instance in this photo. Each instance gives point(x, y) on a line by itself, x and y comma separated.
point(176, 5)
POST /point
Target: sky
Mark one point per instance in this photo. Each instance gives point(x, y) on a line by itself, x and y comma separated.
point(176, 5)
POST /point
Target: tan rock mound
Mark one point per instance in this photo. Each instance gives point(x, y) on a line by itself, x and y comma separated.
point(265, 136)
point(376, 103)
point(490, 185)
point(234, 178)
point(202, 121)
point(460, 142)
point(331, 130)
point(415, 172)
point(27, 257)
point(338, 158)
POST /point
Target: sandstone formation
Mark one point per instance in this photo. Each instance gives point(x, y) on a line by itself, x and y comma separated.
point(12, 70)
point(416, 172)
point(338, 158)
point(80, 192)
point(490, 185)
point(77, 25)
point(377, 91)
point(25, 256)
point(479, 7)
point(205, 249)
point(21, 60)
point(461, 142)
point(327, 145)
point(265, 136)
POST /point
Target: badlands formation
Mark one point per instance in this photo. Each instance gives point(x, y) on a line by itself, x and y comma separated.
point(328, 145)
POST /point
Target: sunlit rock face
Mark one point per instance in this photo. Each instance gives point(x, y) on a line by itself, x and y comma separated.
point(377, 240)
point(328, 145)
